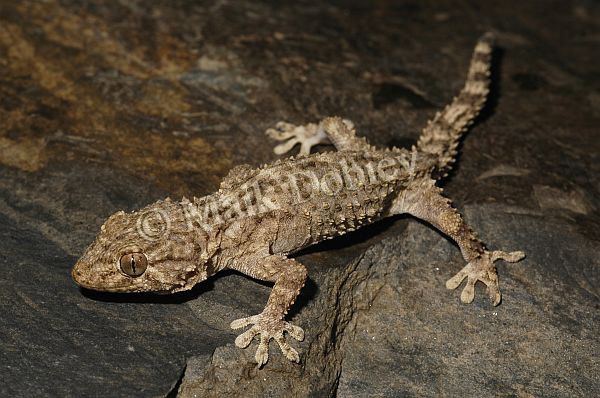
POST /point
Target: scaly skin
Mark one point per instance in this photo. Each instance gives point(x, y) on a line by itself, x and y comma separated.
point(260, 216)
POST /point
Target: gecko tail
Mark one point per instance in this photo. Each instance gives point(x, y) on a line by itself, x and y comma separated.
point(441, 136)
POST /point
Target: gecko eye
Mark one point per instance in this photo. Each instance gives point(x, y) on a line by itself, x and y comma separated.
point(133, 264)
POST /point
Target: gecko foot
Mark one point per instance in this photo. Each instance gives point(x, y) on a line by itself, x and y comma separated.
point(307, 136)
point(482, 269)
point(268, 328)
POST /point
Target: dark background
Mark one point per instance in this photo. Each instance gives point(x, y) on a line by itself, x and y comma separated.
point(110, 105)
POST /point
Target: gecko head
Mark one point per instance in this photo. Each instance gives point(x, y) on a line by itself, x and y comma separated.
point(150, 250)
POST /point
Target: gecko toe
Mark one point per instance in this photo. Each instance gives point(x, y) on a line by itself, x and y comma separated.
point(285, 126)
point(456, 280)
point(243, 322)
point(468, 293)
point(295, 331)
point(262, 352)
point(286, 146)
point(244, 339)
point(495, 295)
point(511, 257)
point(287, 350)
point(281, 132)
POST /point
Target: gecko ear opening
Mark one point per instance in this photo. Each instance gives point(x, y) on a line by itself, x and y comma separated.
point(133, 264)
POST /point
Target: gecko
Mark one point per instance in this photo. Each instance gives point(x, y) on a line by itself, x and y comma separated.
point(261, 216)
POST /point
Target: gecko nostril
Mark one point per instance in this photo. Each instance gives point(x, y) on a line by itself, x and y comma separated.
point(76, 274)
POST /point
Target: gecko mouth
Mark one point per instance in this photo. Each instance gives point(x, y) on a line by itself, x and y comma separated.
point(83, 279)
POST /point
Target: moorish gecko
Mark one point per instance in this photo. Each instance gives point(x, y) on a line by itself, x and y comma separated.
point(260, 216)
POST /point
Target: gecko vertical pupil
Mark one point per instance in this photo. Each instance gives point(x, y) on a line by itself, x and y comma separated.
point(133, 264)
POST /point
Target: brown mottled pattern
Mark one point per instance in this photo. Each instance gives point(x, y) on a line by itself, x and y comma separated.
point(258, 216)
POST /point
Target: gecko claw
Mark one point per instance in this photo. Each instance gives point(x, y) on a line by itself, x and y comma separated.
point(482, 269)
point(268, 328)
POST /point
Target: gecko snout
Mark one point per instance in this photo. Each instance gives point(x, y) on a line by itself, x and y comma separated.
point(78, 275)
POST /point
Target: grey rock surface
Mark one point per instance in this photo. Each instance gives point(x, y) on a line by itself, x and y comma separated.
point(111, 105)
point(391, 329)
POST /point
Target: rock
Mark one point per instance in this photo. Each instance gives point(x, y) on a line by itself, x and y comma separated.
point(107, 106)
point(392, 329)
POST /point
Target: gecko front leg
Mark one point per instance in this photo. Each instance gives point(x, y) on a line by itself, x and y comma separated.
point(289, 277)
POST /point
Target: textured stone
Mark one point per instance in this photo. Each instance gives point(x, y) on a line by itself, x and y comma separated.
point(112, 105)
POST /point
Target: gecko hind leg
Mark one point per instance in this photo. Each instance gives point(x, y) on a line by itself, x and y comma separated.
point(422, 199)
